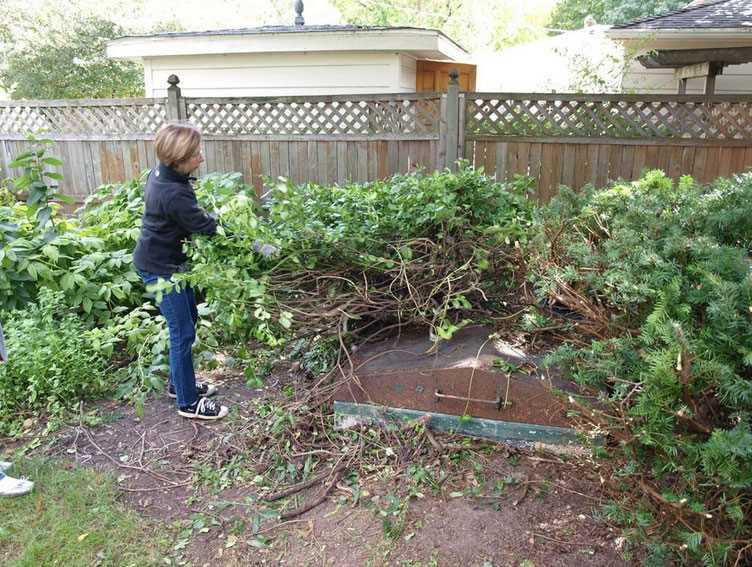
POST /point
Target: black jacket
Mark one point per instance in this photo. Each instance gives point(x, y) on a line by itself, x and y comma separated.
point(171, 215)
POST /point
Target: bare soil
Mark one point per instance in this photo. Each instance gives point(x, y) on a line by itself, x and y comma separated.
point(511, 507)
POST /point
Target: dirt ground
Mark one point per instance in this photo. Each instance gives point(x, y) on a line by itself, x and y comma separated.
point(511, 507)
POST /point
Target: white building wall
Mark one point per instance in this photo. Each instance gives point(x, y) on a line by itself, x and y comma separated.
point(281, 74)
point(736, 79)
point(408, 70)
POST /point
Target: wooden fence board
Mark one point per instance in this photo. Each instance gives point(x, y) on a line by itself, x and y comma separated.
point(341, 162)
point(615, 154)
point(523, 157)
point(500, 167)
point(512, 150)
point(724, 163)
point(568, 165)
point(737, 159)
point(747, 160)
point(256, 167)
point(687, 160)
point(712, 167)
point(535, 160)
point(675, 162)
point(489, 164)
point(627, 162)
point(546, 179)
point(382, 170)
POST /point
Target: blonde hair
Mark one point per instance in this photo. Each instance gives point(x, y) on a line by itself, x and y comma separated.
point(177, 143)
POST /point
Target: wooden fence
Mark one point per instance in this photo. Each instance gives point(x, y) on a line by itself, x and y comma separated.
point(575, 140)
point(323, 139)
point(556, 139)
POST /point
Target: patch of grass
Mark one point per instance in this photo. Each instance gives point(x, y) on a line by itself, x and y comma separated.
point(72, 518)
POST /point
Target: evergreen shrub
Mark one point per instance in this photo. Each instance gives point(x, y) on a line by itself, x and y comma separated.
point(667, 265)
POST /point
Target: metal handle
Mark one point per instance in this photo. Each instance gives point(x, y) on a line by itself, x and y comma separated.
point(498, 402)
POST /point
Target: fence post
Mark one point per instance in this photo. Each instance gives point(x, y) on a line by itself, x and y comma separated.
point(452, 117)
point(175, 102)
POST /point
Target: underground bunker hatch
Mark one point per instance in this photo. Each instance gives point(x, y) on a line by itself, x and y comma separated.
point(473, 384)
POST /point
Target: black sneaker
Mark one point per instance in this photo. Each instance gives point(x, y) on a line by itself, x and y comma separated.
point(203, 390)
point(204, 408)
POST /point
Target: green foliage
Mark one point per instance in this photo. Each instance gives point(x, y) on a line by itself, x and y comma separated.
point(43, 249)
point(354, 231)
point(242, 275)
point(53, 362)
point(571, 14)
point(507, 22)
point(667, 267)
point(38, 181)
point(64, 58)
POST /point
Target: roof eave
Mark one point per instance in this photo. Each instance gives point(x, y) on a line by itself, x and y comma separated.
point(680, 33)
point(423, 43)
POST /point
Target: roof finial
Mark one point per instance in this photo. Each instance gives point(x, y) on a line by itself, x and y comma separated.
point(299, 21)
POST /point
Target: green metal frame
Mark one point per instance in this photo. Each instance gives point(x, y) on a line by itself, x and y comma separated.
point(476, 427)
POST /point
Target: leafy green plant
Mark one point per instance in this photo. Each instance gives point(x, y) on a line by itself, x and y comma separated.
point(52, 361)
point(38, 181)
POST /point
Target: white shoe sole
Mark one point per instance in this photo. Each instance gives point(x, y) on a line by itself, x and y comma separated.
point(222, 413)
point(15, 487)
point(212, 390)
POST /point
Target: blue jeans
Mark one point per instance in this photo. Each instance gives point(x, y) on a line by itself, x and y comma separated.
point(179, 310)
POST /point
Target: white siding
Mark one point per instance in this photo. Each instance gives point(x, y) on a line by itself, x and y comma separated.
point(407, 72)
point(148, 78)
point(278, 74)
point(736, 79)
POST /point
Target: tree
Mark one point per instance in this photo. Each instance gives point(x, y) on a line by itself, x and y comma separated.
point(570, 14)
point(474, 24)
point(46, 57)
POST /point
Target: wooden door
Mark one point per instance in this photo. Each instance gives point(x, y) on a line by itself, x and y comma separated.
point(433, 76)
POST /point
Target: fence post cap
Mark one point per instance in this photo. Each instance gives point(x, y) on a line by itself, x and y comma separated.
point(454, 75)
point(173, 80)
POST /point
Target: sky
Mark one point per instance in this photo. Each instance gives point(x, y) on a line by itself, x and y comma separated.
point(200, 14)
point(192, 15)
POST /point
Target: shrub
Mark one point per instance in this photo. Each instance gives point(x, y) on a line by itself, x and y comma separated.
point(52, 362)
point(664, 268)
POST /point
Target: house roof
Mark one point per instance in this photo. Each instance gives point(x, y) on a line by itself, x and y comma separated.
point(719, 14)
point(424, 42)
point(286, 29)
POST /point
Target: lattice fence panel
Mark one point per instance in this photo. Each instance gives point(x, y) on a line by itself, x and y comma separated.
point(82, 119)
point(316, 117)
point(608, 117)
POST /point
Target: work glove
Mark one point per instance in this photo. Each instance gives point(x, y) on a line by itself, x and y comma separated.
point(264, 248)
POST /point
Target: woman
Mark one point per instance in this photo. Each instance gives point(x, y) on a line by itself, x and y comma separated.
point(171, 216)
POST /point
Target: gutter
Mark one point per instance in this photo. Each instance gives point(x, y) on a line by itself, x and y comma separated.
point(694, 34)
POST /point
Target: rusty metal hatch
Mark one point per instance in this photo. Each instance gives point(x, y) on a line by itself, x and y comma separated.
point(461, 378)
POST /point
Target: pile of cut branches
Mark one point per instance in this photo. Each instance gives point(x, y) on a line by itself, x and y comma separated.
point(422, 250)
